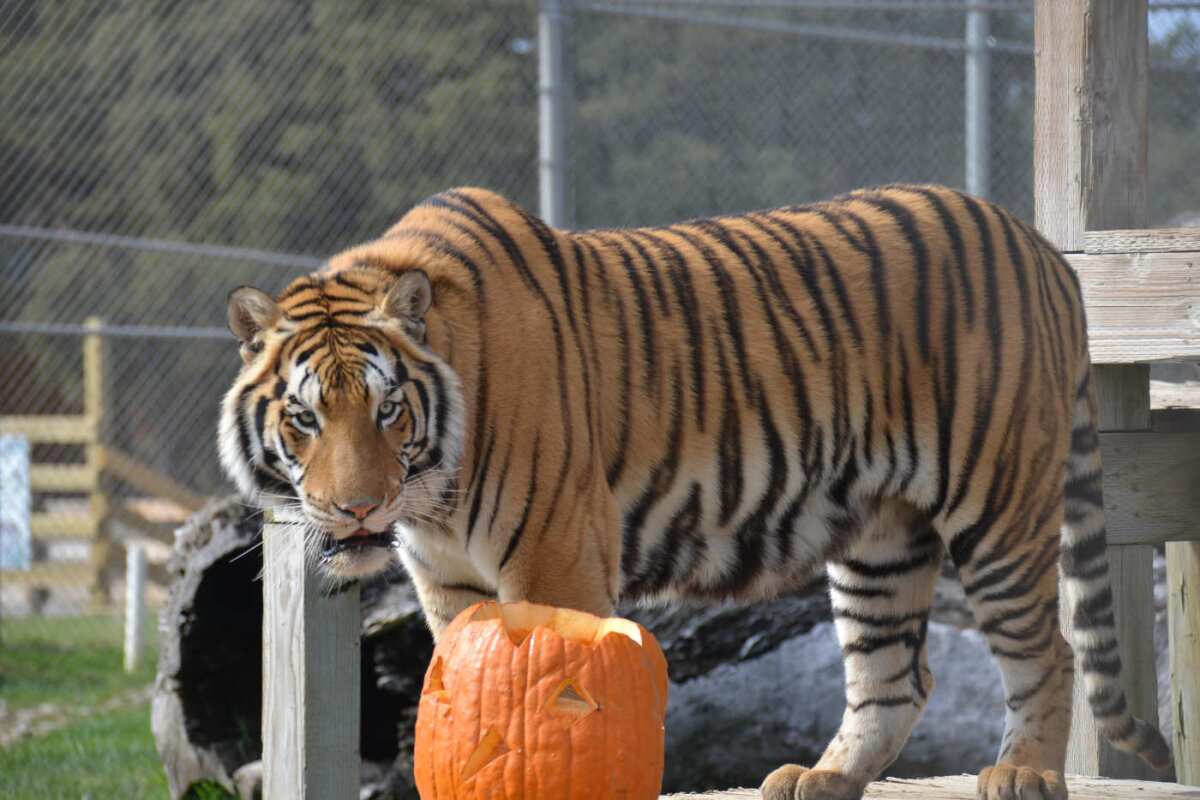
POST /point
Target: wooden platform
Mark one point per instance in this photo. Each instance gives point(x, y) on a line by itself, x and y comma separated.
point(962, 787)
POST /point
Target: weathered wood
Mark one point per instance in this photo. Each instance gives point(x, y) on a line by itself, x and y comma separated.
point(54, 573)
point(962, 787)
point(60, 478)
point(136, 474)
point(50, 428)
point(1090, 117)
point(95, 400)
point(1183, 630)
point(310, 723)
point(62, 526)
point(1122, 397)
point(1141, 306)
point(1151, 487)
point(1142, 240)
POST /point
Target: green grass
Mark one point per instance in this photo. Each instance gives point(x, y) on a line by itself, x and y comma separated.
point(67, 660)
point(76, 662)
point(107, 756)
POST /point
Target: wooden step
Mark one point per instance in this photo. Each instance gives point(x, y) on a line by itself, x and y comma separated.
point(78, 573)
point(962, 787)
point(62, 526)
point(50, 428)
point(61, 478)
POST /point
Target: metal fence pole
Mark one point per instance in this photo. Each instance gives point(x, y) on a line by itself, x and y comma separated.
point(552, 114)
point(978, 72)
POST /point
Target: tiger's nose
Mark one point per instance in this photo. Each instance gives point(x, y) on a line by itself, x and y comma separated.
point(360, 507)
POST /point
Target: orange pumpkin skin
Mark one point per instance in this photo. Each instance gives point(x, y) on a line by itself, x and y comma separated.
point(570, 707)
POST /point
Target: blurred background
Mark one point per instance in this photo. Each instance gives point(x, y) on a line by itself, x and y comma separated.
point(156, 154)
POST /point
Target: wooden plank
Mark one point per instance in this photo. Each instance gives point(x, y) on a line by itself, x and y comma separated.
point(147, 479)
point(61, 478)
point(62, 526)
point(1142, 240)
point(1141, 307)
point(1151, 487)
point(124, 517)
point(50, 428)
point(1183, 632)
point(311, 657)
point(55, 573)
point(95, 400)
point(1123, 395)
point(962, 787)
point(1090, 117)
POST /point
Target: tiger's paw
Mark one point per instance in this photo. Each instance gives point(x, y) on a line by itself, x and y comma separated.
point(793, 782)
point(1009, 782)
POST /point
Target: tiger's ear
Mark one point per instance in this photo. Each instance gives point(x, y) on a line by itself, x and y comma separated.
point(250, 312)
point(407, 300)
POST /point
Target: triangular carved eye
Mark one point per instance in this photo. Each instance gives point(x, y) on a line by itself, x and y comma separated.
point(490, 747)
point(435, 684)
point(572, 700)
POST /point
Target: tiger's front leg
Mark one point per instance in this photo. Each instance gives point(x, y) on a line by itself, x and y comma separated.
point(881, 590)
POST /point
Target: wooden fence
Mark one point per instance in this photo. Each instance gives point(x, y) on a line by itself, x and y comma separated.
point(1142, 288)
point(94, 477)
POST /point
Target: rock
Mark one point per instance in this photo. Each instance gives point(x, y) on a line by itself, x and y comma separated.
point(735, 724)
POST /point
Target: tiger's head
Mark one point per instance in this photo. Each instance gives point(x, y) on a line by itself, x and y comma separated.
point(342, 413)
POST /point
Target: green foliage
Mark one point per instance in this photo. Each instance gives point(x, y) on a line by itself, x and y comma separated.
point(208, 790)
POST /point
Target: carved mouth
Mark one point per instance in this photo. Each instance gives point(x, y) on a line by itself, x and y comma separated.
point(359, 542)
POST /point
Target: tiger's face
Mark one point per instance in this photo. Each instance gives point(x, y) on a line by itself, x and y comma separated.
point(341, 414)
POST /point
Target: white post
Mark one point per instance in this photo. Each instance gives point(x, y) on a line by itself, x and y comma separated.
point(135, 606)
point(978, 132)
point(552, 115)
point(310, 722)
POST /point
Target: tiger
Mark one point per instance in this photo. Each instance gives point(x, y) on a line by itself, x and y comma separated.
point(713, 410)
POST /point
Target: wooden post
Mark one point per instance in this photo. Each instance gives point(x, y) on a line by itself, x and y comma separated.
point(1183, 617)
point(95, 397)
point(135, 604)
point(311, 642)
point(1090, 145)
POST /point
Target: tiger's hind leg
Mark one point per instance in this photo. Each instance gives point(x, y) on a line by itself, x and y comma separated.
point(1011, 584)
point(881, 588)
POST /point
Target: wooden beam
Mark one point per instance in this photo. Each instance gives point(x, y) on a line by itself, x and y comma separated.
point(962, 787)
point(311, 640)
point(50, 428)
point(147, 479)
point(1090, 117)
point(61, 478)
point(1141, 307)
point(62, 526)
point(1151, 487)
point(124, 517)
point(1183, 612)
point(1142, 240)
point(55, 573)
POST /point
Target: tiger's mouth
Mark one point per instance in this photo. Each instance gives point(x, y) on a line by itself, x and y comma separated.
point(358, 543)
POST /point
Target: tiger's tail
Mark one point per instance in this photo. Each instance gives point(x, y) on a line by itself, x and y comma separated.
point(1088, 593)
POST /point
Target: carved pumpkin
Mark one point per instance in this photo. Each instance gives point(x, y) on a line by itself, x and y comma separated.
point(530, 702)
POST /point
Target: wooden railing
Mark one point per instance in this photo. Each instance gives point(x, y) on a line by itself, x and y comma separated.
point(102, 466)
point(1142, 289)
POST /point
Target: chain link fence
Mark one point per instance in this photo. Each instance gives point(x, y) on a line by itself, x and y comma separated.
point(155, 155)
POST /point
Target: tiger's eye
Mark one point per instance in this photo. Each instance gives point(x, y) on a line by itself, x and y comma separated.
point(307, 418)
point(387, 408)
